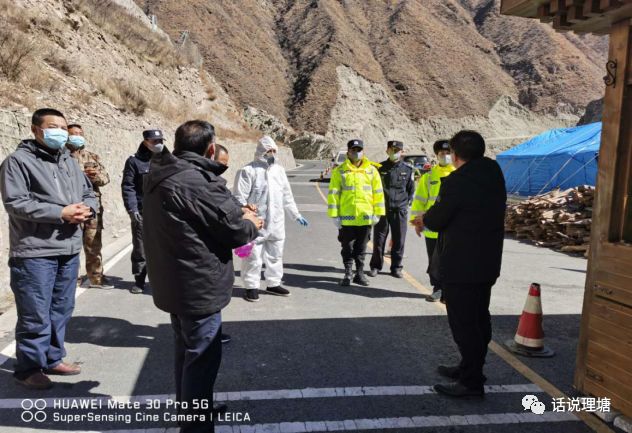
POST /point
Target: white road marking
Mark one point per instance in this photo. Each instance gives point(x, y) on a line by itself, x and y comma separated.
point(9, 350)
point(286, 394)
point(378, 423)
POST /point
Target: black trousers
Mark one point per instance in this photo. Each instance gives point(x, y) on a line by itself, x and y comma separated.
point(470, 322)
point(353, 240)
point(139, 268)
point(431, 244)
point(397, 221)
point(198, 354)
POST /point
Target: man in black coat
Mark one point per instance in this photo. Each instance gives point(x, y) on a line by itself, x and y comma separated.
point(135, 170)
point(469, 215)
point(192, 225)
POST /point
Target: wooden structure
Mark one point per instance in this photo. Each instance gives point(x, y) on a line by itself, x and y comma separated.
point(604, 354)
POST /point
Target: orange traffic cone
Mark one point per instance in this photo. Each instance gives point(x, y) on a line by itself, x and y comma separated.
point(529, 339)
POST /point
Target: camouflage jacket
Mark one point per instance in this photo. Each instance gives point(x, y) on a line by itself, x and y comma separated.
point(85, 157)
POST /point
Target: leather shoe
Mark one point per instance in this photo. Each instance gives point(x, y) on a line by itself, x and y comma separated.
point(458, 390)
point(63, 369)
point(36, 380)
point(449, 371)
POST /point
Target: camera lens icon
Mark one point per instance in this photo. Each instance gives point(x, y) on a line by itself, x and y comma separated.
point(33, 410)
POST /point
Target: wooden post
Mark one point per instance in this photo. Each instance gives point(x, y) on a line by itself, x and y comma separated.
point(608, 294)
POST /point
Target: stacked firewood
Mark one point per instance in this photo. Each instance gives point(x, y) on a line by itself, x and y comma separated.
point(558, 219)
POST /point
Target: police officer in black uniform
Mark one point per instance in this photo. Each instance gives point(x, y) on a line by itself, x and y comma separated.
point(399, 187)
point(136, 167)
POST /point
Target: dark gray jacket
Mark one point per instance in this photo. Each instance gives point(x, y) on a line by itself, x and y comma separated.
point(36, 185)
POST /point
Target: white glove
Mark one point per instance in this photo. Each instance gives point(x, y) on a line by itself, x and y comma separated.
point(374, 220)
point(337, 223)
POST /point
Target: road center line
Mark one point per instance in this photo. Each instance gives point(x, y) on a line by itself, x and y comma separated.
point(381, 423)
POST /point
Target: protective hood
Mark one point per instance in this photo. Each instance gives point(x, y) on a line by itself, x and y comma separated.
point(265, 144)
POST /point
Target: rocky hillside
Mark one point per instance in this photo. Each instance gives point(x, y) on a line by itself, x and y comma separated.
point(431, 61)
point(105, 67)
point(100, 60)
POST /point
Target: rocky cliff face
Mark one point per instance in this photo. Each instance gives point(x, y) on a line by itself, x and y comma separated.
point(421, 60)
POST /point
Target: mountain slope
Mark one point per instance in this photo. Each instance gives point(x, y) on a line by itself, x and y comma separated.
point(435, 57)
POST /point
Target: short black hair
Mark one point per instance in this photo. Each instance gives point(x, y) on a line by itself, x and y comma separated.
point(194, 136)
point(38, 115)
point(75, 125)
point(468, 145)
point(219, 149)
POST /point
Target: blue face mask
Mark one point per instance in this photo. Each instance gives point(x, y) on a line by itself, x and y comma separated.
point(55, 138)
point(76, 141)
point(270, 159)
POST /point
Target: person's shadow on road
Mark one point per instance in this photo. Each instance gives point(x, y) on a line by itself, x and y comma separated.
point(322, 281)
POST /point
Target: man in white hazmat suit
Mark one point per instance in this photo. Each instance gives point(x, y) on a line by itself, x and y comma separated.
point(263, 185)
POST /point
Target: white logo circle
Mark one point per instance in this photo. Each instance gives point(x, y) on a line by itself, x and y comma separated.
point(40, 404)
point(27, 404)
point(27, 416)
point(40, 416)
point(528, 400)
point(538, 408)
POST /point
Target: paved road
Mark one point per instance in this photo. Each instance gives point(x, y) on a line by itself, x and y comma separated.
point(327, 358)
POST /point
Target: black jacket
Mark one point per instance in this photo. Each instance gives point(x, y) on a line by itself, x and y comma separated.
point(398, 183)
point(470, 216)
point(136, 167)
point(190, 227)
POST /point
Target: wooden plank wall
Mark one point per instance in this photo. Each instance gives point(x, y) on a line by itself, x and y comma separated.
point(604, 353)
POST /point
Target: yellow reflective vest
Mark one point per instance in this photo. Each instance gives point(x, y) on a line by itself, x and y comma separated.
point(427, 192)
point(355, 193)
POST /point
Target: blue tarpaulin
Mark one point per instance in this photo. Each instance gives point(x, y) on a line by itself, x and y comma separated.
point(559, 158)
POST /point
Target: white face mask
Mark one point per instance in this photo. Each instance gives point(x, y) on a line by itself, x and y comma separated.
point(445, 160)
point(356, 156)
point(395, 156)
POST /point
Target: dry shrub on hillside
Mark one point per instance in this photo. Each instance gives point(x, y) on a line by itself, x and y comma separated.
point(58, 60)
point(191, 53)
point(208, 86)
point(172, 110)
point(17, 52)
point(245, 135)
point(126, 97)
point(116, 20)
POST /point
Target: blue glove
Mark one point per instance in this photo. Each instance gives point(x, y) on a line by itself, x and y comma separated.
point(302, 221)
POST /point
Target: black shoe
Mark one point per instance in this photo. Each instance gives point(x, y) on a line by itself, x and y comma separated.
point(451, 372)
point(225, 338)
point(435, 297)
point(360, 279)
point(373, 273)
point(346, 280)
point(252, 295)
point(278, 291)
point(397, 273)
point(458, 390)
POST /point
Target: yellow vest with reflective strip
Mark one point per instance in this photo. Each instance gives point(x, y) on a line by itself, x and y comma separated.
point(427, 193)
point(355, 193)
